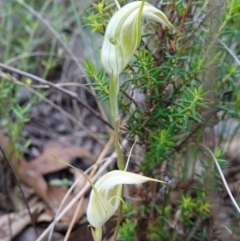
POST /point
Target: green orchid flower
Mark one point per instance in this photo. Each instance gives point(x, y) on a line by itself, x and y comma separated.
point(105, 197)
point(123, 34)
point(121, 39)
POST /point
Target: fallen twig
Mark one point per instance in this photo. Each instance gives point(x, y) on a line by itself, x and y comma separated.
point(21, 190)
point(56, 87)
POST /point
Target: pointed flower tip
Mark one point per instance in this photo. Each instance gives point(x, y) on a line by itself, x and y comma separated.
point(123, 34)
point(106, 197)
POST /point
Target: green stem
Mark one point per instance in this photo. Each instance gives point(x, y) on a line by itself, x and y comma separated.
point(97, 234)
point(120, 161)
point(113, 98)
point(120, 210)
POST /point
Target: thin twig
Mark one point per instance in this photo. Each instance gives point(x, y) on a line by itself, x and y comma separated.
point(61, 205)
point(194, 230)
point(101, 170)
point(56, 87)
point(53, 31)
point(70, 117)
point(21, 190)
point(230, 51)
point(222, 177)
point(35, 54)
point(183, 19)
point(79, 195)
point(64, 200)
point(99, 160)
point(74, 218)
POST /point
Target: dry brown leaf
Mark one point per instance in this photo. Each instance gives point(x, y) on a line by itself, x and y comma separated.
point(28, 234)
point(56, 195)
point(33, 179)
point(13, 223)
point(31, 173)
point(81, 182)
point(28, 176)
point(66, 152)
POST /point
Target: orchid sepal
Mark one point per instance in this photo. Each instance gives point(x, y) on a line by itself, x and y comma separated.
point(123, 34)
point(105, 198)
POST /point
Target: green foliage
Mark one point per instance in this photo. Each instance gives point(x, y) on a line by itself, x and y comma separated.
point(128, 230)
point(17, 42)
point(219, 154)
point(27, 43)
point(190, 209)
point(194, 206)
point(13, 115)
point(97, 19)
point(101, 83)
point(187, 85)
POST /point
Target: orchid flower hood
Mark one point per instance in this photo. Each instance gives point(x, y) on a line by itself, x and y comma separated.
point(105, 198)
point(123, 34)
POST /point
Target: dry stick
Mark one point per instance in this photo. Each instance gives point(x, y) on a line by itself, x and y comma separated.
point(101, 156)
point(35, 27)
point(183, 19)
point(61, 205)
point(74, 84)
point(64, 200)
point(13, 79)
point(67, 195)
point(230, 51)
point(78, 85)
point(54, 32)
point(57, 87)
point(82, 192)
point(74, 218)
point(21, 190)
point(70, 52)
point(222, 177)
point(35, 54)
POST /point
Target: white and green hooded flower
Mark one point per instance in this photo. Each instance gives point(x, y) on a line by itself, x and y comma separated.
point(123, 34)
point(105, 197)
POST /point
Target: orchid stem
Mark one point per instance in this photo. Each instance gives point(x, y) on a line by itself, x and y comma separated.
point(113, 98)
point(120, 210)
point(120, 161)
